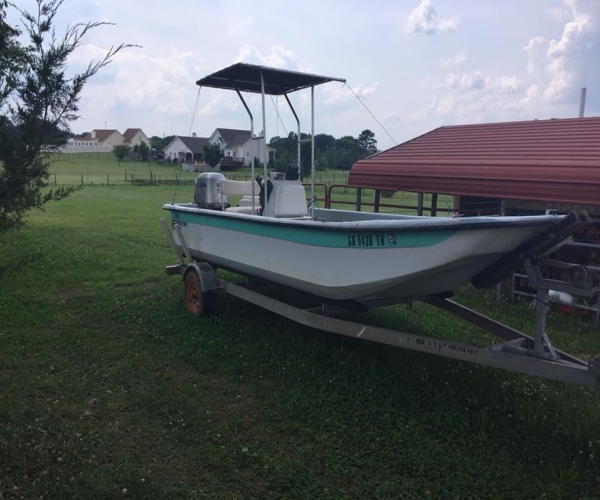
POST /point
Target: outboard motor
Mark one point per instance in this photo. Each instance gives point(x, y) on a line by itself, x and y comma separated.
point(207, 191)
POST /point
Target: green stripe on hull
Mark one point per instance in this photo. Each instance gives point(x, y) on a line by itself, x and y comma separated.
point(319, 237)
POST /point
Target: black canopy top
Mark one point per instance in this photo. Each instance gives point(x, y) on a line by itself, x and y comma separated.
point(246, 78)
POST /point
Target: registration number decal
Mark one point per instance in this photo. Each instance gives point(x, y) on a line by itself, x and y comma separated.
point(371, 240)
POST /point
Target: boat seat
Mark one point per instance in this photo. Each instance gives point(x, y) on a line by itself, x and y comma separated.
point(243, 189)
point(246, 201)
point(239, 188)
point(288, 200)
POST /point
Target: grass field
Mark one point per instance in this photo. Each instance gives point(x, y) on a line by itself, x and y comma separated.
point(103, 168)
point(111, 390)
point(99, 169)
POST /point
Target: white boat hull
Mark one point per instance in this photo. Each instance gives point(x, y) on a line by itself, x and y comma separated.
point(380, 258)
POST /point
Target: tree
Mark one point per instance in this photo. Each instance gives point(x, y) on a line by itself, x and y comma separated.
point(144, 150)
point(212, 154)
point(367, 142)
point(38, 101)
point(160, 143)
point(121, 151)
point(323, 142)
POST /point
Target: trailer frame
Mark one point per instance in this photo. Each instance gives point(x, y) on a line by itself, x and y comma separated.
point(516, 351)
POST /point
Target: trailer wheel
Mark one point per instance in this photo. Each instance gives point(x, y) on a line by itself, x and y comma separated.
point(195, 298)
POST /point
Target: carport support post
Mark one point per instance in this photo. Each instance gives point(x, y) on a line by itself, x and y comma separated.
point(358, 198)
point(377, 200)
point(434, 205)
point(419, 203)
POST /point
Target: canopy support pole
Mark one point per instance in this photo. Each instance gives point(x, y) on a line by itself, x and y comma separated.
point(298, 141)
point(251, 145)
point(312, 150)
point(265, 180)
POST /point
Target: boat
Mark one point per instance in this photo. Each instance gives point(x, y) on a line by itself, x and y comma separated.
point(340, 255)
point(311, 265)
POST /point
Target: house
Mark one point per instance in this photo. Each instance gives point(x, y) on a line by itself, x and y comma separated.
point(186, 149)
point(102, 137)
point(237, 146)
point(103, 140)
point(134, 137)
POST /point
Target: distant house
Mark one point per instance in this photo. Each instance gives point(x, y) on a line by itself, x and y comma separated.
point(103, 140)
point(106, 137)
point(134, 137)
point(237, 146)
point(186, 149)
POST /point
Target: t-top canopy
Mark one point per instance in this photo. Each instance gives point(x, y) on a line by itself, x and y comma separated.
point(246, 78)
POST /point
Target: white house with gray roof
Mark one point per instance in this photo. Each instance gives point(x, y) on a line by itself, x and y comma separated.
point(237, 145)
point(186, 149)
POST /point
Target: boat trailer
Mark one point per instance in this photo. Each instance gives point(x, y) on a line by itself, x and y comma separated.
point(516, 351)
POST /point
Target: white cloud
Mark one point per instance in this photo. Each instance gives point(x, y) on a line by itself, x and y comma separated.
point(455, 61)
point(424, 19)
point(476, 80)
point(279, 57)
point(564, 65)
point(510, 84)
point(140, 84)
point(547, 87)
point(559, 13)
point(238, 26)
point(335, 94)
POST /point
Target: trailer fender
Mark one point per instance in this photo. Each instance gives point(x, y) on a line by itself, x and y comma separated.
point(206, 274)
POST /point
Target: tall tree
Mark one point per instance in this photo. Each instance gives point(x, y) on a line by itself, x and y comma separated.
point(38, 101)
point(213, 154)
point(144, 150)
point(120, 151)
point(367, 142)
point(323, 142)
point(160, 143)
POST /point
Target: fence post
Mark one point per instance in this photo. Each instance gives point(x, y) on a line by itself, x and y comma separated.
point(55, 178)
point(125, 174)
point(107, 180)
point(419, 203)
point(82, 179)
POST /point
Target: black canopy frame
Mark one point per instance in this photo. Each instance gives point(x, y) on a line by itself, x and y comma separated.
point(249, 78)
point(263, 80)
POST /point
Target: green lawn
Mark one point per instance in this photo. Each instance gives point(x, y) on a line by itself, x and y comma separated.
point(99, 169)
point(111, 390)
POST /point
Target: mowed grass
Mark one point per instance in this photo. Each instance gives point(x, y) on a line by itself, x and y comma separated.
point(99, 169)
point(109, 389)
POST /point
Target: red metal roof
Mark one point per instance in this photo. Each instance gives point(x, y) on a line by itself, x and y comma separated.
point(546, 160)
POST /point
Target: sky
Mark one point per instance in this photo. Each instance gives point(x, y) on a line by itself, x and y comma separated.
point(415, 64)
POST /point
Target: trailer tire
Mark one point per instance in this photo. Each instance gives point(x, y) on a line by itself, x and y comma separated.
point(194, 297)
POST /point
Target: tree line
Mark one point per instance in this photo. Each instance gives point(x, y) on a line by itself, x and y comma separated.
point(330, 153)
